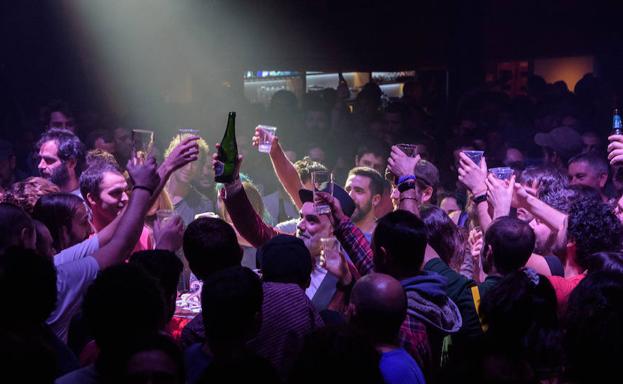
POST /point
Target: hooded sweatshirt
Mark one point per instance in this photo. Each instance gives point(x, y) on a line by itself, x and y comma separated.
point(431, 315)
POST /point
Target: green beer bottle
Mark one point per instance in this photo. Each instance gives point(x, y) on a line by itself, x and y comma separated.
point(227, 153)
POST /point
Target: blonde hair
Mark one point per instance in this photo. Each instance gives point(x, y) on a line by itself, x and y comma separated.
point(204, 148)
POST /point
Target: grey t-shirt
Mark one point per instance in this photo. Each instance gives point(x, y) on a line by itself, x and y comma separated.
point(193, 204)
point(75, 271)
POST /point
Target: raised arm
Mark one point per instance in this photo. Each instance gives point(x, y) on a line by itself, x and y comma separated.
point(284, 169)
point(145, 179)
point(184, 153)
point(549, 215)
point(473, 176)
point(500, 195)
point(403, 166)
point(248, 223)
point(350, 237)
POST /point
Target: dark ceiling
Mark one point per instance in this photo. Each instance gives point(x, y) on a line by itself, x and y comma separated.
point(40, 57)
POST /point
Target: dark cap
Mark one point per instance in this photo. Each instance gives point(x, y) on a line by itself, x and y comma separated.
point(348, 205)
point(426, 172)
point(6, 150)
point(566, 141)
point(285, 259)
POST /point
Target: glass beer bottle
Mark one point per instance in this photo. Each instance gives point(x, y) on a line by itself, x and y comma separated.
point(227, 153)
point(617, 126)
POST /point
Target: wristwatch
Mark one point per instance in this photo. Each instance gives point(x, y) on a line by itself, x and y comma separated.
point(479, 199)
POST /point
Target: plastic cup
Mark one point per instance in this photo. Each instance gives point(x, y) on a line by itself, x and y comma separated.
point(187, 132)
point(408, 149)
point(266, 137)
point(142, 141)
point(330, 244)
point(502, 173)
point(474, 156)
point(322, 182)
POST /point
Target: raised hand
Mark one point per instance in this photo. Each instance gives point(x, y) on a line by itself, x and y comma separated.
point(144, 175)
point(500, 194)
point(334, 261)
point(475, 242)
point(337, 215)
point(216, 163)
point(615, 150)
point(520, 197)
point(257, 137)
point(400, 164)
point(472, 175)
point(185, 152)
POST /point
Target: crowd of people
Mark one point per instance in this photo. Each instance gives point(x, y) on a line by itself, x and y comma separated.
point(427, 265)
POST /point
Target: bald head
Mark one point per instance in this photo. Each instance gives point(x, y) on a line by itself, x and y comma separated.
point(379, 306)
point(378, 291)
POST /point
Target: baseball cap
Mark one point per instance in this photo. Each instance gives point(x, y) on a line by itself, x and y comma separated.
point(427, 172)
point(348, 206)
point(564, 140)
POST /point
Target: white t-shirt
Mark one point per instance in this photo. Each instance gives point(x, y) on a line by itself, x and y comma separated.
point(317, 275)
point(83, 249)
point(76, 269)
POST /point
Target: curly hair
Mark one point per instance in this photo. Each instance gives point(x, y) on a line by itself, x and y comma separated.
point(545, 178)
point(306, 166)
point(594, 228)
point(96, 156)
point(25, 194)
point(69, 146)
point(563, 198)
point(204, 148)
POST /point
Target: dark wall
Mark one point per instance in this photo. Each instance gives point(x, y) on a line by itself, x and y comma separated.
point(40, 59)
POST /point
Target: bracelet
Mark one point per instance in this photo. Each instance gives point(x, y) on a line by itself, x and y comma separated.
point(151, 191)
point(404, 178)
point(403, 187)
point(479, 199)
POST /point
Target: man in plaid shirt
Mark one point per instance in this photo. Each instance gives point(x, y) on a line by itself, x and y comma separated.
point(399, 245)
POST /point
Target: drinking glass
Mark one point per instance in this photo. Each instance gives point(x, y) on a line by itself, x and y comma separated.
point(266, 137)
point(330, 244)
point(474, 156)
point(142, 141)
point(502, 173)
point(322, 182)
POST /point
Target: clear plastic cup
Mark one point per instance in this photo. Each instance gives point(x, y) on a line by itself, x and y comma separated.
point(266, 137)
point(474, 156)
point(322, 182)
point(330, 244)
point(142, 141)
point(502, 173)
